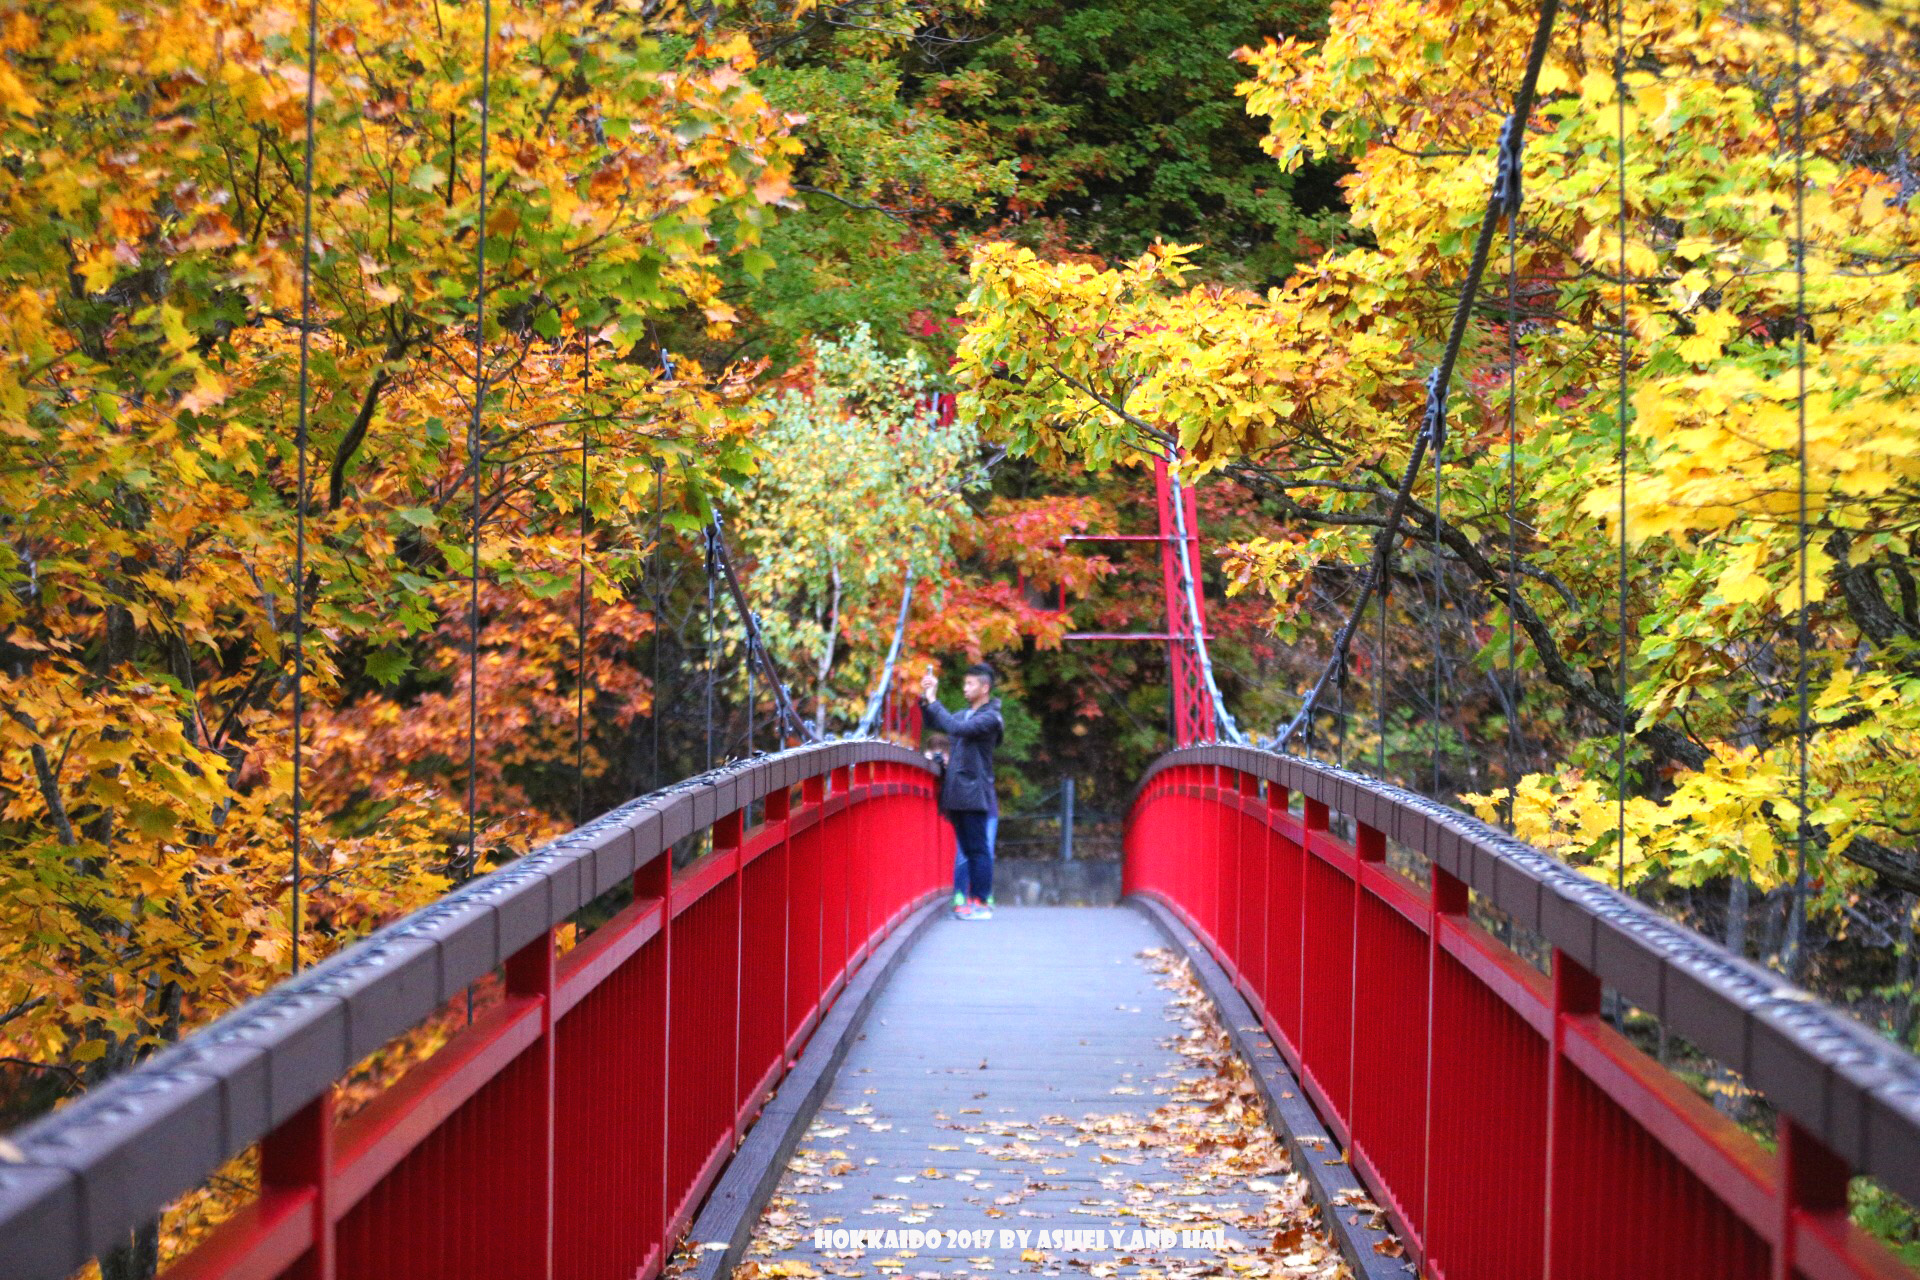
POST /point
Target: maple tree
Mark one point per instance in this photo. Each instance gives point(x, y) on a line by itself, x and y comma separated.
point(1310, 394)
point(149, 392)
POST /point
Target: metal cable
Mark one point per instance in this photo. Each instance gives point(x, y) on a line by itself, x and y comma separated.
point(1189, 595)
point(708, 653)
point(1802, 636)
point(1439, 600)
point(1433, 423)
point(580, 680)
point(475, 454)
point(790, 721)
point(1380, 679)
point(1511, 140)
point(1340, 720)
point(475, 450)
point(876, 702)
point(300, 476)
point(654, 594)
point(1620, 764)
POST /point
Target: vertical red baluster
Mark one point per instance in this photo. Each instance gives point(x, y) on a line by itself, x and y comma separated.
point(839, 908)
point(1327, 943)
point(867, 814)
point(727, 833)
point(298, 1157)
point(1576, 994)
point(530, 973)
point(1283, 920)
point(813, 794)
point(1245, 907)
point(1370, 847)
point(1261, 888)
point(1813, 1182)
point(1447, 896)
point(1220, 784)
point(779, 808)
point(654, 882)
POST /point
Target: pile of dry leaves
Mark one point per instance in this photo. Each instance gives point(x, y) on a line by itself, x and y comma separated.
point(1200, 1157)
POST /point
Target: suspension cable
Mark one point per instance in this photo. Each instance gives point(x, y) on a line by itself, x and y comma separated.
point(1802, 636)
point(1620, 760)
point(876, 702)
point(791, 724)
point(580, 677)
point(1439, 599)
point(1511, 153)
point(300, 475)
point(1380, 678)
point(707, 536)
point(1222, 718)
point(1433, 423)
point(654, 572)
point(475, 448)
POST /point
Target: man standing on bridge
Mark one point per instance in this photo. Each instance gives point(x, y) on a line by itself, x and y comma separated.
point(967, 793)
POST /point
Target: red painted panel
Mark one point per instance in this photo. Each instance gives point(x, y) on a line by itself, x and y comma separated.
point(702, 984)
point(458, 1205)
point(1390, 1052)
point(1619, 1193)
point(1486, 1136)
point(612, 1079)
point(1286, 903)
point(763, 972)
point(1326, 1034)
point(1439, 1052)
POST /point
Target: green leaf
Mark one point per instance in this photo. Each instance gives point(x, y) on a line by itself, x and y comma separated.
point(388, 665)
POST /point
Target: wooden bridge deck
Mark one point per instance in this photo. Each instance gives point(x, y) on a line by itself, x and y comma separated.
point(1033, 1074)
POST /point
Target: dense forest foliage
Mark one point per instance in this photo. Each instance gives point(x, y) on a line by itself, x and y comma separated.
point(902, 285)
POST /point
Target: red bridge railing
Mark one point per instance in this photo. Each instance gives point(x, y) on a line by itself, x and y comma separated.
point(1504, 1124)
point(574, 1127)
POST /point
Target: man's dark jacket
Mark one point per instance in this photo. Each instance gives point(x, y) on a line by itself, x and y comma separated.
point(975, 733)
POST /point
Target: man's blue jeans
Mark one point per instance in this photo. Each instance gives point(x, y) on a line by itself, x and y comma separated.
point(973, 864)
point(960, 854)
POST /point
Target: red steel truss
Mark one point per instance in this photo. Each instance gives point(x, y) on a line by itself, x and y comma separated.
point(1193, 717)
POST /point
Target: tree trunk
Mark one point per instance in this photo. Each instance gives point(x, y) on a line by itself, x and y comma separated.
point(1906, 972)
point(1793, 952)
point(1730, 1099)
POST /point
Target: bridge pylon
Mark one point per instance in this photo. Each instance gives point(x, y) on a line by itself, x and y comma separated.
point(1193, 718)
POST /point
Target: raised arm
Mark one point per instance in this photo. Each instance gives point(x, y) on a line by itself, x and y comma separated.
point(984, 723)
point(938, 716)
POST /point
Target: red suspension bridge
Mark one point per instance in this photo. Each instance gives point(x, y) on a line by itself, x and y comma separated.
point(645, 1085)
point(575, 1127)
